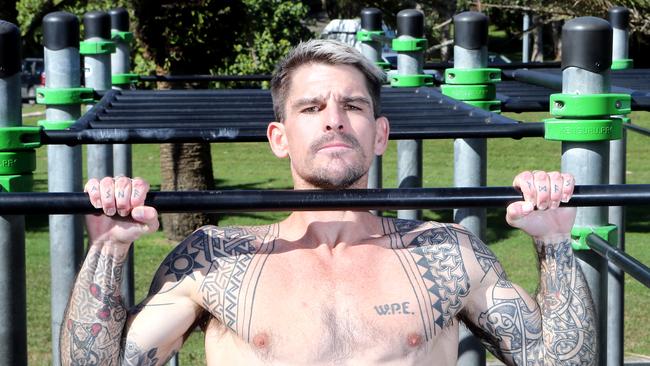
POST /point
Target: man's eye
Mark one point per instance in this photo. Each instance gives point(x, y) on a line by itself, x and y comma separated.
point(312, 109)
point(352, 107)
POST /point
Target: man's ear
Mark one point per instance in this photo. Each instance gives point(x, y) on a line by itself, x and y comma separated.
point(275, 132)
point(381, 135)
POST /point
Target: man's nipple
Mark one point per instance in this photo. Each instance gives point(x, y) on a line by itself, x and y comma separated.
point(261, 341)
point(414, 340)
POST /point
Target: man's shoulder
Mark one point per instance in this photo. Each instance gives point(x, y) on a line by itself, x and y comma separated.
point(212, 242)
point(440, 230)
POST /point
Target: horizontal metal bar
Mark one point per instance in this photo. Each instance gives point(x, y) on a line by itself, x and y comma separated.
point(320, 200)
point(622, 260)
point(637, 128)
point(250, 134)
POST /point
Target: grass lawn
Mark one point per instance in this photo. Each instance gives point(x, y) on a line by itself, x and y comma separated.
point(250, 165)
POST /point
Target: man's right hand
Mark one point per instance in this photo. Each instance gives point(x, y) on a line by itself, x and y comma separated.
point(125, 218)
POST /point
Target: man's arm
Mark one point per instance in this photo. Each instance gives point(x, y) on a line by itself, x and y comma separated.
point(560, 326)
point(95, 325)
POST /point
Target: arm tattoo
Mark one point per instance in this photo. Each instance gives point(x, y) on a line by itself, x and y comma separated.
point(95, 317)
point(559, 329)
point(566, 306)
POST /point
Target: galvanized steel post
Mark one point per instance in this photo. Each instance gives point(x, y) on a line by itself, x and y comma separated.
point(371, 45)
point(470, 52)
point(96, 49)
point(586, 70)
point(122, 154)
point(410, 46)
point(619, 19)
point(13, 303)
point(63, 71)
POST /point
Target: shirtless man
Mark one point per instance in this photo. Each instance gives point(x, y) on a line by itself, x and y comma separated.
point(336, 287)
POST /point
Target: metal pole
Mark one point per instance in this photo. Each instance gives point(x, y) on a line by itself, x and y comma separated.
point(62, 67)
point(371, 49)
point(97, 73)
point(470, 155)
point(585, 70)
point(122, 157)
point(13, 303)
point(410, 25)
point(619, 19)
point(525, 46)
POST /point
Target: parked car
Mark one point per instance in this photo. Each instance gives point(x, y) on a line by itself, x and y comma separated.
point(31, 76)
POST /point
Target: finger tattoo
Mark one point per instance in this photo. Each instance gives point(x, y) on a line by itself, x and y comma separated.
point(120, 194)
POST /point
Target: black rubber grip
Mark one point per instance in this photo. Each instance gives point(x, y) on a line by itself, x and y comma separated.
point(619, 17)
point(119, 19)
point(9, 49)
point(410, 22)
point(587, 44)
point(371, 19)
point(470, 30)
point(97, 24)
point(60, 30)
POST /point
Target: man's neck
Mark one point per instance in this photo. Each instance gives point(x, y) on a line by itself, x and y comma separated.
point(330, 228)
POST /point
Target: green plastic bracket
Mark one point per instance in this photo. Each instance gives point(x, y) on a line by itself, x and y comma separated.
point(369, 36)
point(56, 125)
point(121, 79)
point(563, 129)
point(19, 138)
point(488, 105)
point(472, 76)
point(383, 65)
point(469, 92)
point(59, 96)
point(579, 235)
point(411, 81)
point(17, 162)
point(119, 36)
point(590, 105)
point(409, 44)
point(16, 183)
point(96, 47)
point(622, 64)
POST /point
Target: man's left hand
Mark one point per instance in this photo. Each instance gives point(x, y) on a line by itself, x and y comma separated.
point(539, 213)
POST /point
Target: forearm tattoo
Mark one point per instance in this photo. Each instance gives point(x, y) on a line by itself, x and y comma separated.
point(567, 309)
point(95, 318)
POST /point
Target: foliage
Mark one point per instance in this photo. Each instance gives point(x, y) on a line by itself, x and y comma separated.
point(273, 28)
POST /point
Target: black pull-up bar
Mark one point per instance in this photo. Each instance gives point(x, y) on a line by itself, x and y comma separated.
point(321, 200)
point(621, 259)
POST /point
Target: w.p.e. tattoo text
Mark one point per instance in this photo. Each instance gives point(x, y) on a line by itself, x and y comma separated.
point(395, 308)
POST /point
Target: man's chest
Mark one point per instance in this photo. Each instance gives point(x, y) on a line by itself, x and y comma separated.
point(405, 298)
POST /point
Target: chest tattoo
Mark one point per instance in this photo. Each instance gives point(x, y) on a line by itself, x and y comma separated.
point(228, 289)
point(433, 264)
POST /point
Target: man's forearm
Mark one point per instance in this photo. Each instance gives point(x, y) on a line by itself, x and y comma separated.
point(568, 316)
point(95, 318)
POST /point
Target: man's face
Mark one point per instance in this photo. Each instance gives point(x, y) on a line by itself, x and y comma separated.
point(329, 132)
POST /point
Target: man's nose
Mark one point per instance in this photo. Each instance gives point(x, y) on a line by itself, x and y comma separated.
point(335, 119)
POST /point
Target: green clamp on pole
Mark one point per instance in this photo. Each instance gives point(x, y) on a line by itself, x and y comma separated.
point(117, 36)
point(469, 92)
point(369, 36)
point(622, 64)
point(122, 79)
point(472, 76)
point(19, 138)
point(411, 81)
point(18, 158)
point(564, 129)
point(590, 105)
point(56, 125)
point(409, 44)
point(59, 96)
point(579, 235)
point(96, 47)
